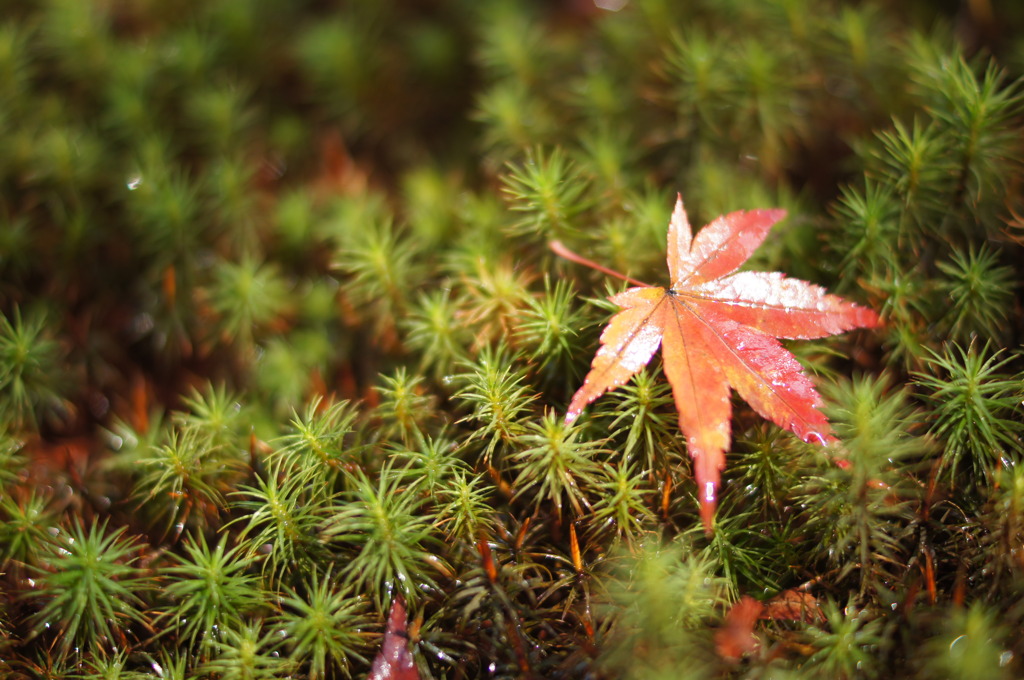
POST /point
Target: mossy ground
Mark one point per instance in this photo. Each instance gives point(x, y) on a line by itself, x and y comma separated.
point(281, 338)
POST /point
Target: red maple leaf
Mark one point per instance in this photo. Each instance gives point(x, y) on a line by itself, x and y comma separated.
point(718, 328)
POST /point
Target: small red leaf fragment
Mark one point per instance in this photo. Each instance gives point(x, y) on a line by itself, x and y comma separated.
point(394, 661)
point(490, 568)
point(736, 638)
point(717, 329)
point(793, 605)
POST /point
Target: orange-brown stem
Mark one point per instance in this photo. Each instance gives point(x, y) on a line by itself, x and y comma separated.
point(559, 248)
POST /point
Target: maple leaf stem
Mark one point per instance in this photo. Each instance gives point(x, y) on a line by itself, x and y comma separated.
point(559, 248)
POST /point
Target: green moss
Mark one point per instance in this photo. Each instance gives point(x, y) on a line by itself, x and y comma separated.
point(281, 337)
